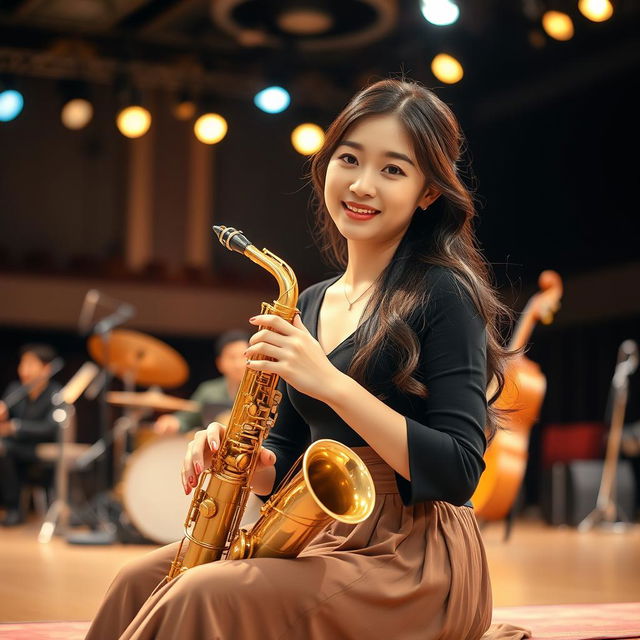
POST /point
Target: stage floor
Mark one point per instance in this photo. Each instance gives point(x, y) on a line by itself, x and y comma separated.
point(539, 565)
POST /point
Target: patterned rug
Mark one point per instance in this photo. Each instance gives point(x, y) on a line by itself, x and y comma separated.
point(575, 621)
point(554, 622)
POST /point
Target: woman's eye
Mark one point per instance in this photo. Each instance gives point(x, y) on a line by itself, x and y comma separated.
point(394, 170)
point(348, 158)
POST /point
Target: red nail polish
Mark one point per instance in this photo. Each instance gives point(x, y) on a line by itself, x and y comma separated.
point(192, 480)
point(198, 468)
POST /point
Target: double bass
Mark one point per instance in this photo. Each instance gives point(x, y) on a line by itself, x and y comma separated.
point(522, 396)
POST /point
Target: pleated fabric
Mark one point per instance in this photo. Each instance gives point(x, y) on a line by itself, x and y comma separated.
point(405, 573)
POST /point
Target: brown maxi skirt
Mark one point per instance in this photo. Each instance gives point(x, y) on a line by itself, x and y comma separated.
point(406, 572)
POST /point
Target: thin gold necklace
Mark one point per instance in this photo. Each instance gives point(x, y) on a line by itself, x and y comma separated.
point(344, 290)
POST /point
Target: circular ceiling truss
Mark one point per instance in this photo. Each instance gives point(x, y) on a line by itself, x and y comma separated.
point(259, 23)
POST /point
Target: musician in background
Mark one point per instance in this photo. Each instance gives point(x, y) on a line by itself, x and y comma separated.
point(25, 423)
point(230, 362)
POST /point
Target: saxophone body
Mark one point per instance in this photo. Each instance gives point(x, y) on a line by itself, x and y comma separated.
point(332, 483)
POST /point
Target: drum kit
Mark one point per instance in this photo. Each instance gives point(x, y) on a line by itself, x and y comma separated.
point(146, 479)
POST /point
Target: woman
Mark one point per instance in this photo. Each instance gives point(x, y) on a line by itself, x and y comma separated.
point(391, 358)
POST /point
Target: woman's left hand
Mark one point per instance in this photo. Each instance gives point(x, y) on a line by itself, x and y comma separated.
point(297, 356)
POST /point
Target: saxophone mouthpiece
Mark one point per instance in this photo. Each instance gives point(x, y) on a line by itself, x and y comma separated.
point(231, 238)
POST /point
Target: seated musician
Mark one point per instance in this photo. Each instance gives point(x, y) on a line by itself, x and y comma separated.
point(25, 420)
point(230, 362)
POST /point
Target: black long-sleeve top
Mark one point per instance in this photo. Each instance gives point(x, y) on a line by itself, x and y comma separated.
point(34, 417)
point(445, 430)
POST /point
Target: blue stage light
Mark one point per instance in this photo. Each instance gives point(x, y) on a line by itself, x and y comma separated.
point(11, 103)
point(272, 99)
point(440, 12)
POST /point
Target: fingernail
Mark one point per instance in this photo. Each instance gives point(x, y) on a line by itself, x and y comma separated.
point(198, 468)
point(186, 490)
point(192, 480)
point(213, 445)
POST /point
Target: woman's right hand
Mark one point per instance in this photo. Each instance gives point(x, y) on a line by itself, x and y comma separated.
point(204, 447)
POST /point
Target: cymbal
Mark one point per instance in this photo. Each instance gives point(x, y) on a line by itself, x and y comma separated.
point(151, 400)
point(145, 359)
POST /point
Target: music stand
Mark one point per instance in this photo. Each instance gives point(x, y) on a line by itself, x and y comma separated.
point(57, 517)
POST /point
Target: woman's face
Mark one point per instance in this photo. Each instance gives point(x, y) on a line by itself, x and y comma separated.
point(373, 183)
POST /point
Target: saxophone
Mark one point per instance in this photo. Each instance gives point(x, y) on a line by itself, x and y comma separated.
point(329, 481)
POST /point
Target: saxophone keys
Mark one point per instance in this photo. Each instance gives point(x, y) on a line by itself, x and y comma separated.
point(208, 508)
point(242, 461)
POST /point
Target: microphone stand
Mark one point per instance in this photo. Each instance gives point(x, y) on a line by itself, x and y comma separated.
point(105, 534)
point(607, 510)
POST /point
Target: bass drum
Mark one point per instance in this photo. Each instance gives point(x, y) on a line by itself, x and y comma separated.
point(152, 493)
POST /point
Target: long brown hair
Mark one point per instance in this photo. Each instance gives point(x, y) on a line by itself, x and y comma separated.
point(443, 236)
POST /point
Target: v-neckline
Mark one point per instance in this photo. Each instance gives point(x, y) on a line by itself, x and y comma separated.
point(317, 319)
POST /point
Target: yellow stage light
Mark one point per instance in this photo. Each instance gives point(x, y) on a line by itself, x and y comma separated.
point(76, 114)
point(134, 121)
point(210, 128)
point(557, 25)
point(307, 138)
point(596, 10)
point(446, 68)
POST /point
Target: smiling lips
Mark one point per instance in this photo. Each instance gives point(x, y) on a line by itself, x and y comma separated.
point(359, 211)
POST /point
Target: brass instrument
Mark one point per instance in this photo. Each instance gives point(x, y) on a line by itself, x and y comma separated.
point(333, 481)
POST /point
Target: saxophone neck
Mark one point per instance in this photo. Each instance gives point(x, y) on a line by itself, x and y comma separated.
point(285, 304)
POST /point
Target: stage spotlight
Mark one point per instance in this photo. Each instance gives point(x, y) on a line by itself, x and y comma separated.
point(210, 128)
point(446, 68)
point(440, 12)
point(133, 121)
point(557, 25)
point(11, 103)
point(307, 138)
point(76, 113)
point(272, 99)
point(596, 10)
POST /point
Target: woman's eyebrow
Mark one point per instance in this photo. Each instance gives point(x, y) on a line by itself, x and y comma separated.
point(388, 154)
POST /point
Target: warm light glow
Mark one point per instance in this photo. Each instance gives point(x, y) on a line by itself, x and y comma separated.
point(184, 110)
point(210, 128)
point(557, 25)
point(446, 68)
point(596, 10)
point(307, 138)
point(134, 121)
point(76, 114)
point(440, 12)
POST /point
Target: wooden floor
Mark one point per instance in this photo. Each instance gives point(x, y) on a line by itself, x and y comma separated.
point(539, 565)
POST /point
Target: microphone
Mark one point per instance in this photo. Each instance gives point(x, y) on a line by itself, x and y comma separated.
point(627, 362)
point(123, 313)
point(91, 299)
